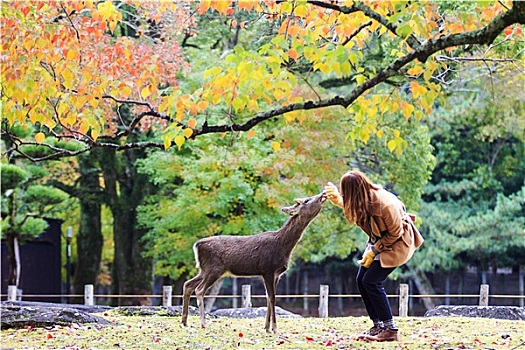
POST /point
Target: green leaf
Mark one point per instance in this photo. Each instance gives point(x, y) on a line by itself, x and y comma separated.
point(404, 30)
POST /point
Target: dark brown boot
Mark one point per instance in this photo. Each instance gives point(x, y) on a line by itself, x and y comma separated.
point(387, 334)
point(371, 332)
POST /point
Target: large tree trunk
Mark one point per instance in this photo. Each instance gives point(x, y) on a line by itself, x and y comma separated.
point(89, 239)
point(214, 290)
point(424, 286)
point(131, 273)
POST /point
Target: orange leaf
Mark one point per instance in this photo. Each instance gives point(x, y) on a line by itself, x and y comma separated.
point(293, 54)
point(192, 123)
point(39, 137)
point(251, 133)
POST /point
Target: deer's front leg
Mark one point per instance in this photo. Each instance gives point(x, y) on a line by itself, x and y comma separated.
point(269, 283)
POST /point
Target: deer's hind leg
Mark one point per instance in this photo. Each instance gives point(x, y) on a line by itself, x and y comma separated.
point(206, 282)
point(189, 287)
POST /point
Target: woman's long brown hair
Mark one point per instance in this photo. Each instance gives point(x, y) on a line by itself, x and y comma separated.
point(355, 189)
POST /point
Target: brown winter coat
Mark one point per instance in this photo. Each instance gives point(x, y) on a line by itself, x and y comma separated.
point(397, 236)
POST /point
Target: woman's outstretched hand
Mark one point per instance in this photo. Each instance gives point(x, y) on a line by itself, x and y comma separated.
point(332, 193)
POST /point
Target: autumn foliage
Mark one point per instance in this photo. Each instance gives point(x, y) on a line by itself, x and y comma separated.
point(69, 66)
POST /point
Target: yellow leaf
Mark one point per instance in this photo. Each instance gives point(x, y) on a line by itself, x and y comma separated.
point(179, 141)
point(415, 70)
point(68, 78)
point(360, 79)
point(407, 109)
point(145, 92)
point(112, 26)
point(167, 142)
point(94, 134)
point(379, 133)
point(301, 11)
point(352, 56)
point(396, 133)
point(238, 104)
point(72, 54)
point(392, 145)
point(221, 6)
point(125, 91)
point(289, 117)
point(39, 137)
point(276, 146)
point(417, 90)
point(188, 132)
point(427, 75)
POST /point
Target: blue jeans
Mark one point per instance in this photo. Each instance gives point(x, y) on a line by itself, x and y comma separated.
point(370, 284)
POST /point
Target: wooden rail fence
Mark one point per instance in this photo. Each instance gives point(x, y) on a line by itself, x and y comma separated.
point(246, 296)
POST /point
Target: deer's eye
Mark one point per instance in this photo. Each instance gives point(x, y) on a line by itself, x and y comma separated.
point(306, 201)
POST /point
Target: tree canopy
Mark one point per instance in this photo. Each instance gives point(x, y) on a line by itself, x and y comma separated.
point(65, 76)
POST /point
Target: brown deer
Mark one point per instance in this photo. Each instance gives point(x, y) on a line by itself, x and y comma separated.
point(266, 254)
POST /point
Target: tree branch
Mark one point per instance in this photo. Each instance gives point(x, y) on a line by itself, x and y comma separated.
point(421, 52)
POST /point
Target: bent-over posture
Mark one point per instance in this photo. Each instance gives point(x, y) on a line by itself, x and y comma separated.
point(392, 240)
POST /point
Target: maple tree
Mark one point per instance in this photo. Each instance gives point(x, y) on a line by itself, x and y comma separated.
point(64, 74)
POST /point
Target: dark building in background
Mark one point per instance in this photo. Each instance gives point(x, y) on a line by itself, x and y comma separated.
point(41, 265)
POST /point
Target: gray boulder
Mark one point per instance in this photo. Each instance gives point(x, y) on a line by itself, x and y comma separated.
point(15, 315)
point(500, 312)
point(153, 310)
point(252, 312)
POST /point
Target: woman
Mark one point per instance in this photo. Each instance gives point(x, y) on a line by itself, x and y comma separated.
point(392, 240)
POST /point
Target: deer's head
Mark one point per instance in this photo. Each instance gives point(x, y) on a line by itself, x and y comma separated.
point(309, 207)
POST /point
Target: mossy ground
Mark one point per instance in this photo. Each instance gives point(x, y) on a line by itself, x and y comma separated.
point(160, 332)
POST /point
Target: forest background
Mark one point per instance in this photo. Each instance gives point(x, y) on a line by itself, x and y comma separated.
point(148, 125)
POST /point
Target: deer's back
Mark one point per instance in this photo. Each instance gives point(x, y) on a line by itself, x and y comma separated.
point(243, 255)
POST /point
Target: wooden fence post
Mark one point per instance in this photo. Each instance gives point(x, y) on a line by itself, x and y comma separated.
point(484, 295)
point(403, 300)
point(323, 301)
point(235, 291)
point(166, 295)
point(88, 295)
point(12, 292)
point(246, 295)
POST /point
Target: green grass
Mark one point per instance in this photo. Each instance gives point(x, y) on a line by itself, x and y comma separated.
point(158, 332)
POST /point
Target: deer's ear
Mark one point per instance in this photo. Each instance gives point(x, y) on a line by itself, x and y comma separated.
point(294, 210)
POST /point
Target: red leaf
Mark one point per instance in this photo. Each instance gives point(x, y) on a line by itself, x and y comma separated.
point(329, 343)
point(49, 335)
point(508, 31)
point(241, 335)
point(25, 10)
point(309, 338)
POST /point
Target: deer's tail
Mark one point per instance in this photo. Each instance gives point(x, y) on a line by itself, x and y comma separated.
point(196, 254)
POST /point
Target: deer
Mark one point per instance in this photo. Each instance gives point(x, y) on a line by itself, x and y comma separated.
point(265, 255)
